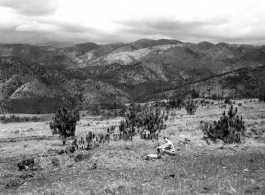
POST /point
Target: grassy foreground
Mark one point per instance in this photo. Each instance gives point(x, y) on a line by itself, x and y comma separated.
point(198, 167)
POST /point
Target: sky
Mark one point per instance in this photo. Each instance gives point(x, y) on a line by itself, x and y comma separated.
point(62, 23)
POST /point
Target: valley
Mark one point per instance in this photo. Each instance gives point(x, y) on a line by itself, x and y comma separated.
point(124, 72)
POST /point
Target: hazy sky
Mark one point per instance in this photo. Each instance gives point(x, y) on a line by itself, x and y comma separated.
point(67, 22)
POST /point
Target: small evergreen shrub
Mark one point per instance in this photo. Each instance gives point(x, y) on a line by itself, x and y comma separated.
point(230, 128)
point(191, 107)
point(228, 101)
point(66, 117)
point(147, 121)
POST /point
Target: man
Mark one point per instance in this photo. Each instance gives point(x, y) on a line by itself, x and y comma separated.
point(167, 148)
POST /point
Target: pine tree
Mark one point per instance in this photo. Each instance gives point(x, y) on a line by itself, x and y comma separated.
point(66, 117)
point(230, 128)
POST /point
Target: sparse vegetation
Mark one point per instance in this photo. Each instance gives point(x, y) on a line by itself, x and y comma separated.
point(191, 107)
point(262, 98)
point(144, 121)
point(227, 101)
point(118, 166)
point(34, 105)
point(94, 110)
point(18, 119)
point(89, 141)
point(194, 94)
point(175, 103)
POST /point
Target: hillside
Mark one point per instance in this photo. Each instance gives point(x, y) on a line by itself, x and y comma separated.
point(123, 72)
point(32, 88)
point(244, 82)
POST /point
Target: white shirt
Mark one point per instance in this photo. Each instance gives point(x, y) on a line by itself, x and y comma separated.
point(167, 146)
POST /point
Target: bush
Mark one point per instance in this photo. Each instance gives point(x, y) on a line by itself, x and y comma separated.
point(66, 116)
point(148, 122)
point(175, 104)
point(262, 98)
point(107, 114)
point(216, 97)
point(194, 94)
point(143, 120)
point(191, 107)
point(17, 119)
point(228, 101)
point(33, 105)
point(229, 128)
point(94, 110)
point(89, 141)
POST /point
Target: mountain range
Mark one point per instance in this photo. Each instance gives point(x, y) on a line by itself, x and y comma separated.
point(33, 79)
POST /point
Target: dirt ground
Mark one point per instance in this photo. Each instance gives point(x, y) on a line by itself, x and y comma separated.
point(118, 167)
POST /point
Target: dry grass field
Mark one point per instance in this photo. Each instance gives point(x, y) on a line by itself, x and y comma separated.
point(197, 168)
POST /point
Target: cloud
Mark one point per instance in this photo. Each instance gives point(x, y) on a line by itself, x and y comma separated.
point(7, 28)
point(54, 26)
point(54, 34)
point(71, 27)
point(195, 31)
point(31, 7)
point(35, 38)
point(165, 27)
point(36, 27)
point(103, 21)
